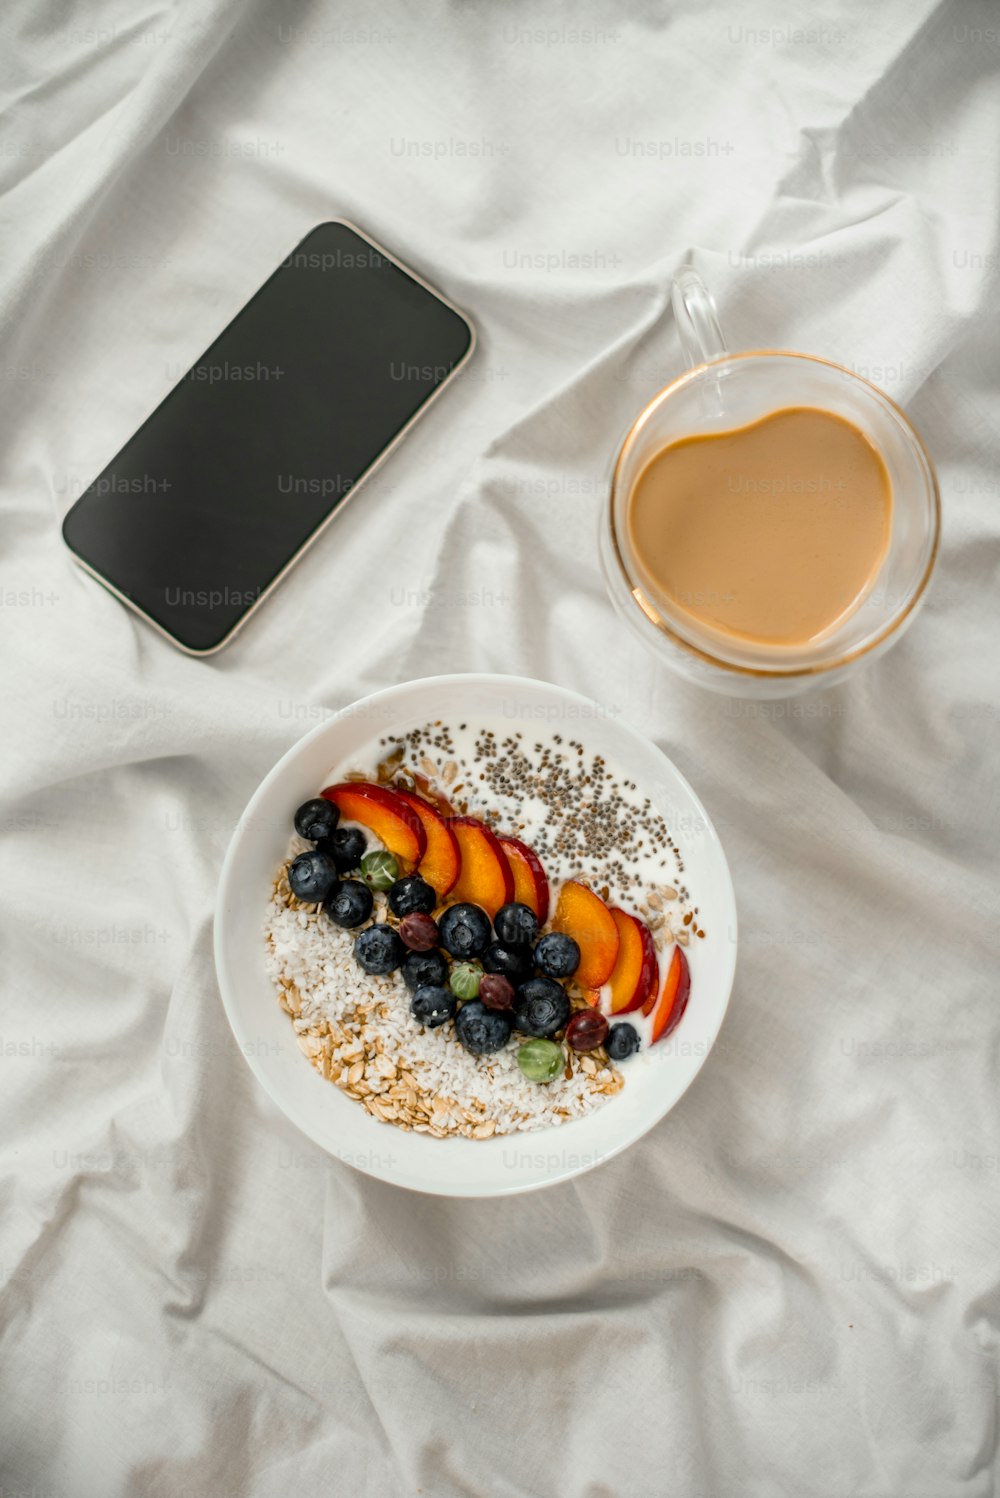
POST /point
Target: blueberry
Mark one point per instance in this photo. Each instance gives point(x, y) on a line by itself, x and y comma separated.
point(514, 962)
point(622, 1040)
point(379, 950)
point(432, 1005)
point(557, 955)
point(350, 904)
point(482, 1031)
point(312, 876)
point(412, 895)
point(515, 924)
point(316, 819)
point(346, 847)
point(465, 930)
point(421, 968)
point(542, 1007)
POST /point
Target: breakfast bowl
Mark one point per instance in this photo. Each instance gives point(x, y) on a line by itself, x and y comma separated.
point(536, 805)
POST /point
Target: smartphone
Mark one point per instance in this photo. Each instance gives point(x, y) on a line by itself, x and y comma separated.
point(265, 438)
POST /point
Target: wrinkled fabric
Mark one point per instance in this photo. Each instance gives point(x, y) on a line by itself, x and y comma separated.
point(792, 1284)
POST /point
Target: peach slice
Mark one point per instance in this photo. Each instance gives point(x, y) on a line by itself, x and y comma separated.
point(584, 917)
point(442, 860)
point(387, 815)
point(530, 884)
point(485, 876)
point(636, 973)
point(671, 1003)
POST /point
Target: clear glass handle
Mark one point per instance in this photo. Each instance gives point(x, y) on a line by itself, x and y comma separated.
point(696, 317)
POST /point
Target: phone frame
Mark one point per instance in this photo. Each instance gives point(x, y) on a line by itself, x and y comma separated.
point(338, 509)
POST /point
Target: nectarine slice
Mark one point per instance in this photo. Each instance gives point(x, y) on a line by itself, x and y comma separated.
point(531, 887)
point(441, 861)
point(586, 918)
point(667, 1007)
point(387, 815)
point(636, 973)
point(484, 877)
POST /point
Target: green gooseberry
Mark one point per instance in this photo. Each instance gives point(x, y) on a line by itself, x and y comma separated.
point(379, 869)
point(465, 979)
point(540, 1060)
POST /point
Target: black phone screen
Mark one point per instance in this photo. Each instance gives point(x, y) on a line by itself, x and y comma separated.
point(261, 440)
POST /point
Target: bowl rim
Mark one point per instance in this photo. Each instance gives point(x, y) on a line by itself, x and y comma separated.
point(465, 1190)
point(653, 615)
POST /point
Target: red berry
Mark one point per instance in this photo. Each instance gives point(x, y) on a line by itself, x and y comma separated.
point(586, 1030)
point(419, 932)
point(496, 991)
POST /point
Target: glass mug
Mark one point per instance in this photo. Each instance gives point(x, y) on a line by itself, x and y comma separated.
point(724, 391)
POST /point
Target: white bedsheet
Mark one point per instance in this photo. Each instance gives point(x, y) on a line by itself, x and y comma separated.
point(790, 1287)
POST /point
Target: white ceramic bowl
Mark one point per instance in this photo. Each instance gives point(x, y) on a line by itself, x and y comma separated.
point(655, 1080)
